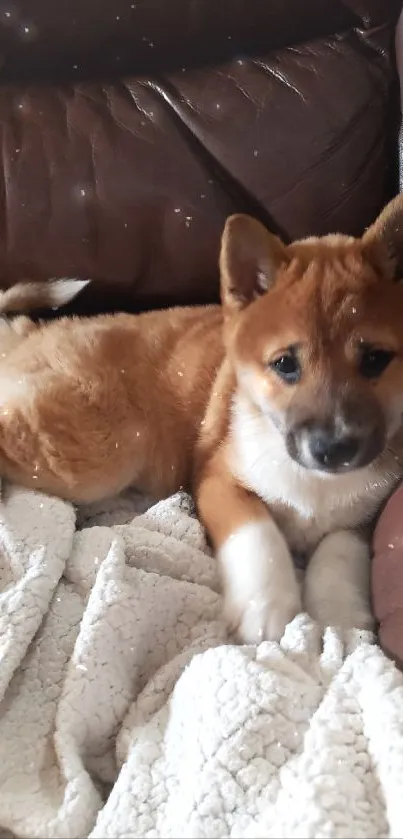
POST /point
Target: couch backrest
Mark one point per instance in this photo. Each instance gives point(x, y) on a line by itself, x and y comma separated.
point(131, 129)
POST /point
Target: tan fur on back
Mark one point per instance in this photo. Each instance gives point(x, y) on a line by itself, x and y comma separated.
point(90, 406)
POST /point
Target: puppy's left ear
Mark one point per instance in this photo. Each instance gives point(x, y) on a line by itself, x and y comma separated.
point(384, 240)
point(249, 260)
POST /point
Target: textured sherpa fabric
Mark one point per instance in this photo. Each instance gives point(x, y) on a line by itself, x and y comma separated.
point(124, 712)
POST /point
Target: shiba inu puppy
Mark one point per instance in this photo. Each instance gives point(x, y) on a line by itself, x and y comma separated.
point(280, 410)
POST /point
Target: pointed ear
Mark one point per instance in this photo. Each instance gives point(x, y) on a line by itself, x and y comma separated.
point(249, 260)
point(384, 240)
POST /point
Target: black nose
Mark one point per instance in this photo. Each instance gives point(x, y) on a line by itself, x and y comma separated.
point(331, 452)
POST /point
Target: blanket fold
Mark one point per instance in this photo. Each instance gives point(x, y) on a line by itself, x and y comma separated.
point(124, 711)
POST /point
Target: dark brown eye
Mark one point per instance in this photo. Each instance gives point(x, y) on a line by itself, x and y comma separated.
point(287, 367)
point(373, 362)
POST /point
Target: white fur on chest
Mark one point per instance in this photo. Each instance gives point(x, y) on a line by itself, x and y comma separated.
point(306, 505)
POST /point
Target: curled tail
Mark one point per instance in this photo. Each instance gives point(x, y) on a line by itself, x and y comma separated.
point(28, 297)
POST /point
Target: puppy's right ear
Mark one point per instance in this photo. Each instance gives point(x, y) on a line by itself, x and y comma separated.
point(383, 241)
point(249, 260)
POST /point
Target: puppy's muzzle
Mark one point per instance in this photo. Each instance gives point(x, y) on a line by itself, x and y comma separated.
point(331, 452)
point(339, 445)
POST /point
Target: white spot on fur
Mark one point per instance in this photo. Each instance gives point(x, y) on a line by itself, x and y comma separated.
point(10, 390)
point(262, 280)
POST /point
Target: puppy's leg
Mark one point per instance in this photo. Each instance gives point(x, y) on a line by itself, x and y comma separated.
point(261, 592)
point(337, 580)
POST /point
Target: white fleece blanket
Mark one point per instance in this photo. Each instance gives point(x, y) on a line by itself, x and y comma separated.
point(124, 713)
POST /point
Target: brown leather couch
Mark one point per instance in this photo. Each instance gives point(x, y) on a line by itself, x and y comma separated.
point(131, 128)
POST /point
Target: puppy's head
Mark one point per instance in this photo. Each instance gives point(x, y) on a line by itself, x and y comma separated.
point(315, 334)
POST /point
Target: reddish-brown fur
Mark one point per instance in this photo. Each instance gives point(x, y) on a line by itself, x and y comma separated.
point(122, 399)
point(112, 395)
point(89, 406)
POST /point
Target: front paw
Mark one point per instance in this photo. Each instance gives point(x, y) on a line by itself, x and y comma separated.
point(346, 614)
point(336, 589)
point(262, 618)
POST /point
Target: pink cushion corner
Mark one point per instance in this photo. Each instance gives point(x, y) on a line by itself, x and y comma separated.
point(387, 576)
